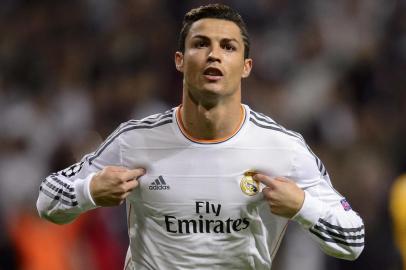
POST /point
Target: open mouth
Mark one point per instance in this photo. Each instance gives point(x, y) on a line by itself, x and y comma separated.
point(213, 74)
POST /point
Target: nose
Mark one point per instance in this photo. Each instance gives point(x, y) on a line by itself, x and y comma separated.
point(214, 54)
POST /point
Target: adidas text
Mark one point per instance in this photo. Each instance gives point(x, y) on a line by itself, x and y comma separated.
point(159, 184)
point(159, 187)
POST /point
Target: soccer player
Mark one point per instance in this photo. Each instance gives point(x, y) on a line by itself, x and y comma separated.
point(210, 184)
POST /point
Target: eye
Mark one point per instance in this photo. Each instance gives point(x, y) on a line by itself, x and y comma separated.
point(229, 47)
point(200, 44)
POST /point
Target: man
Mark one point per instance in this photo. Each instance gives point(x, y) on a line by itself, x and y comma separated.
point(210, 184)
point(397, 207)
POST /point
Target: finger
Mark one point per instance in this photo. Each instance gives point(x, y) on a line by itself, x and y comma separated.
point(266, 180)
point(124, 196)
point(267, 191)
point(130, 185)
point(133, 174)
point(115, 169)
point(282, 179)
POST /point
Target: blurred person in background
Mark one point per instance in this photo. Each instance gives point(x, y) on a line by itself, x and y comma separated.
point(167, 168)
point(398, 214)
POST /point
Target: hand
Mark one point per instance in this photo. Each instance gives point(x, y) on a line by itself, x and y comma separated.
point(284, 197)
point(112, 185)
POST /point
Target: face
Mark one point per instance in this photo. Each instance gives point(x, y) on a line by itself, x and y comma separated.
point(213, 63)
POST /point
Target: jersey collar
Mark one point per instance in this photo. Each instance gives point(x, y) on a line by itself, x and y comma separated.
point(182, 129)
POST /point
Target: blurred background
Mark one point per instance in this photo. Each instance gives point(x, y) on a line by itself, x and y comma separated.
point(71, 71)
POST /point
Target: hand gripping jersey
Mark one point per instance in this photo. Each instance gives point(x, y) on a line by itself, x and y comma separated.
point(197, 207)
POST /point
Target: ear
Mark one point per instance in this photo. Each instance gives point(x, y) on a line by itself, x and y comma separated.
point(247, 68)
point(179, 61)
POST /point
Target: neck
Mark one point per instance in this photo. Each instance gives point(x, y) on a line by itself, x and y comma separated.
point(215, 122)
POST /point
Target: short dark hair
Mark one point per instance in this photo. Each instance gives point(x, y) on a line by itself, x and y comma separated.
point(213, 11)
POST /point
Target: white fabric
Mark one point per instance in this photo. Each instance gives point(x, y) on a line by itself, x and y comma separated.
point(190, 211)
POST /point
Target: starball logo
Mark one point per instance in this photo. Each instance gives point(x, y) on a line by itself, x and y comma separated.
point(205, 222)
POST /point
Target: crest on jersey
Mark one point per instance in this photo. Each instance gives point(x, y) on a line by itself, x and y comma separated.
point(248, 185)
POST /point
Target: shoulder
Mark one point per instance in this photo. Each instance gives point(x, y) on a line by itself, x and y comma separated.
point(270, 128)
point(277, 134)
point(283, 137)
point(149, 122)
point(113, 142)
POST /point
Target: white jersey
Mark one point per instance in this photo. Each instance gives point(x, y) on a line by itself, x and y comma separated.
point(197, 206)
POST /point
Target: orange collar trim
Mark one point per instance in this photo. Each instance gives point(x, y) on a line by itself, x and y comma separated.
point(190, 137)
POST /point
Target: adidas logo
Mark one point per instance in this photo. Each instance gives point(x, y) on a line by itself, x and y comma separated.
point(159, 184)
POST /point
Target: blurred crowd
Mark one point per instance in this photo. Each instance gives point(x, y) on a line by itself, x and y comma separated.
point(72, 71)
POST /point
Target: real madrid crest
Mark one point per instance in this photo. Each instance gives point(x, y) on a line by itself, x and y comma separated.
point(248, 185)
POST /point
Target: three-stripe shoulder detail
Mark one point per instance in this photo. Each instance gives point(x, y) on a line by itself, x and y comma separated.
point(266, 122)
point(146, 123)
point(353, 237)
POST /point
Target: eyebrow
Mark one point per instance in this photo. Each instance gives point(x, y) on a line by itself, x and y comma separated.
point(207, 38)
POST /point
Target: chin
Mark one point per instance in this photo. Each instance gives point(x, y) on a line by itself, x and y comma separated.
point(213, 93)
point(214, 88)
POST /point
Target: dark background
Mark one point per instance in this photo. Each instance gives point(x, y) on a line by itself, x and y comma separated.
point(71, 71)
